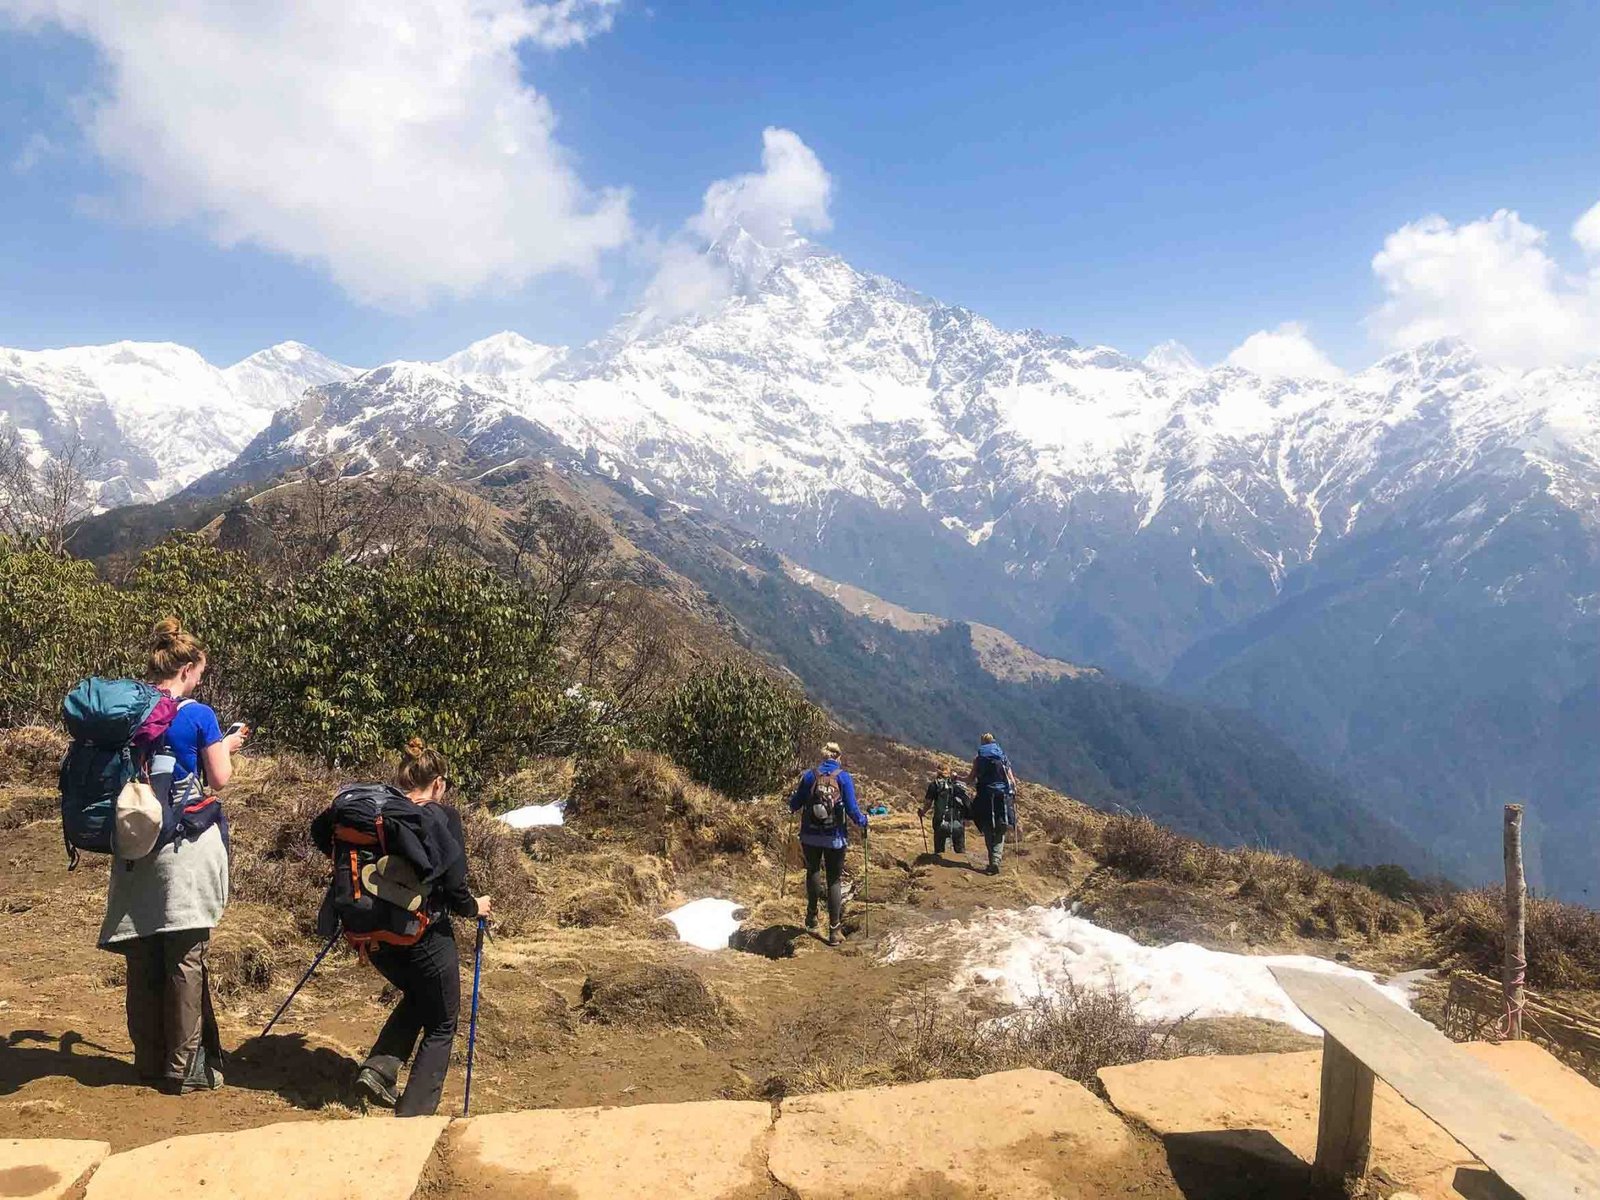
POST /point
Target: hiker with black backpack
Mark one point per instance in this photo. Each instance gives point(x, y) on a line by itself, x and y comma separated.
point(136, 783)
point(826, 796)
point(947, 798)
point(994, 811)
point(399, 873)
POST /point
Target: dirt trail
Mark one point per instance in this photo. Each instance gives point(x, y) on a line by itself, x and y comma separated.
point(65, 1071)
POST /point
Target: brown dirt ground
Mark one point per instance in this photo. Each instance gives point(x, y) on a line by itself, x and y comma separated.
point(64, 1060)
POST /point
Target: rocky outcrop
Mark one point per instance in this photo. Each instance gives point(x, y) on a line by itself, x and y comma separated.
point(372, 1158)
point(1025, 1135)
point(712, 1149)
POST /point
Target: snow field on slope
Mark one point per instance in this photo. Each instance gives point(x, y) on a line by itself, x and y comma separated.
point(1036, 951)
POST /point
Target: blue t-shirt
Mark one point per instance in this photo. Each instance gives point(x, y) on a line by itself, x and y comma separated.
point(193, 728)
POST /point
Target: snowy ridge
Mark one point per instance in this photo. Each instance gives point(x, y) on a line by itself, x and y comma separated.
point(158, 414)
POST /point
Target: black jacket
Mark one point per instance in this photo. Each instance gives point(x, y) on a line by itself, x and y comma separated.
point(430, 837)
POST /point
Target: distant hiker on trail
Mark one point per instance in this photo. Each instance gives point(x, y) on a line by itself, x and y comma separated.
point(399, 872)
point(162, 906)
point(994, 811)
point(948, 799)
point(825, 797)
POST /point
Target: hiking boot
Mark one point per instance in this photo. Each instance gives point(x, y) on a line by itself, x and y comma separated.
point(375, 1089)
point(992, 869)
point(811, 921)
point(833, 935)
point(208, 1080)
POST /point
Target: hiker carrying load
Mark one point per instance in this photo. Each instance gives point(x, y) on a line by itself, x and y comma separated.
point(135, 784)
point(948, 798)
point(825, 796)
point(994, 811)
point(399, 872)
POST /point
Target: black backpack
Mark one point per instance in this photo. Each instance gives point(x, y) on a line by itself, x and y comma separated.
point(379, 892)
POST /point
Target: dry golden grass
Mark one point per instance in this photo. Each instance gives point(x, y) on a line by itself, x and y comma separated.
point(650, 995)
point(1563, 940)
point(1073, 1031)
point(31, 754)
point(1294, 896)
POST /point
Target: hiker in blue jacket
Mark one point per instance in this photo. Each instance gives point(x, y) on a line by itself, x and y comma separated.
point(825, 797)
point(994, 811)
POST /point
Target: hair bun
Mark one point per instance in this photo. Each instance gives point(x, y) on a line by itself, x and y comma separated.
point(415, 748)
point(165, 631)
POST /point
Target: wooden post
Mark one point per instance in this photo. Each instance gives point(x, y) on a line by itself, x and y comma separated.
point(1344, 1119)
point(1516, 965)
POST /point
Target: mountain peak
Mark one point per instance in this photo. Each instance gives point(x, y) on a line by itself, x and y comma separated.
point(1173, 358)
point(504, 354)
point(751, 253)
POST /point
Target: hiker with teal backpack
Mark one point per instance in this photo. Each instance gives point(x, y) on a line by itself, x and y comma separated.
point(825, 797)
point(136, 784)
point(399, 874)
point(994, 810)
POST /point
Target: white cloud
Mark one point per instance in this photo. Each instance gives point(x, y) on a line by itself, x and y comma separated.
point(789, 194)
point(395, 145)
point(791, 191)
point(34, 151)
point(1286, 350)
point(686, 282)
point(1494, 284)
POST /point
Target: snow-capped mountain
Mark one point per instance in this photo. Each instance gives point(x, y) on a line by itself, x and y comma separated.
point(1405, 557)
point(1398, 570)
point(504, 355)
point(158, 415)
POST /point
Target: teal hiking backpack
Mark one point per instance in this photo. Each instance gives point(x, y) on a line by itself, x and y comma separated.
point(112, 723)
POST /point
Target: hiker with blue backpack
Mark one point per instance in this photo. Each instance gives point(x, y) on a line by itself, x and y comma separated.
point(399, 873)
point(137, 784)
point(825, 797)
point(994, 810)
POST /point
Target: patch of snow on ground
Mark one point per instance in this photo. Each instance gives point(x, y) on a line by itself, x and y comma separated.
point(1024, 953)
point(707, 923)
point(535, 816)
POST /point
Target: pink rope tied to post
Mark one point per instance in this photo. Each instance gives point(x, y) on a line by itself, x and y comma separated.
point(1510, 1022)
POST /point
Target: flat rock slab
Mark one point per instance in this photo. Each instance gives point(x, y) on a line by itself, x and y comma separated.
point(1018, 1134)
point(1261, 1110)
point(714, 1150)
point(46, 1168)
point(374, 1158)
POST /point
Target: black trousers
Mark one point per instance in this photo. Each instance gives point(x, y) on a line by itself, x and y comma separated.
point(957, 836)
point(429, 978)
point(817, 858)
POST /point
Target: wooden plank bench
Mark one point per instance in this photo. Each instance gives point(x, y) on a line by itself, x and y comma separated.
point(1366, 1035)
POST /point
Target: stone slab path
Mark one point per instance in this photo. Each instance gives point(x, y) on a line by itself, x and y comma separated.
point(716, 1148)
point(46, 1168)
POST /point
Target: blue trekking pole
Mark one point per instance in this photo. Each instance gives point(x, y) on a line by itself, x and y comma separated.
point(472, 1027)
point(304, 979)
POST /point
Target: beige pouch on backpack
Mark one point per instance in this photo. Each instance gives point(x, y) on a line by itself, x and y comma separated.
point(393, 879)
point(138, 820)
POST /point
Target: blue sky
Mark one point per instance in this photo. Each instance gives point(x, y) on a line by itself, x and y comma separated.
point(1119, 174)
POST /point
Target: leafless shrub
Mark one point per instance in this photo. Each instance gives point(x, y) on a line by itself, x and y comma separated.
point(1074, 1031)
point(44, 502)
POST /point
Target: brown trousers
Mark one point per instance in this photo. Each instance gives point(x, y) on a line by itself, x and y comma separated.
point(170, 1020)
